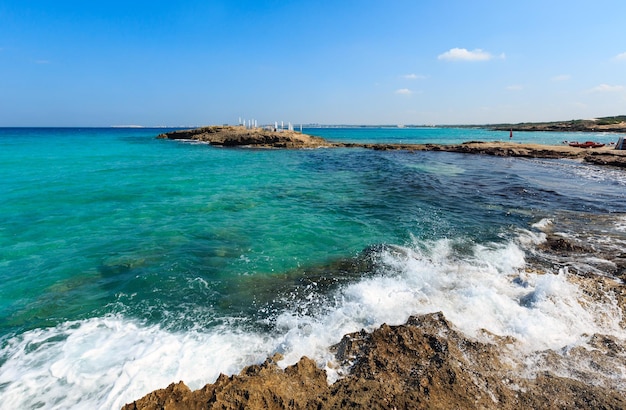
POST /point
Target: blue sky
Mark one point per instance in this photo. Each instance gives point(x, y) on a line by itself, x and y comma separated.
point(191, 62)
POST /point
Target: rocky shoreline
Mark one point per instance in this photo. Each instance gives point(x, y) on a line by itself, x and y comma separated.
point(423, 364)
point(239, 136)
point(427, 363)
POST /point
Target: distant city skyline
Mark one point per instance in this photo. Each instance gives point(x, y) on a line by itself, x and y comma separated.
point(193, 62)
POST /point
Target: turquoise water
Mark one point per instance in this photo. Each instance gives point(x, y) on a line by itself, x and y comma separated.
point(452, 135)
point(124, 258)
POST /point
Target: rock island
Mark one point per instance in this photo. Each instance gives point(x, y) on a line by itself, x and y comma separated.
point(233, 136)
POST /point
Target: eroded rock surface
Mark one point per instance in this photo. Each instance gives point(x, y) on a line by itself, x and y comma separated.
point(231, 136)
point(423, 364)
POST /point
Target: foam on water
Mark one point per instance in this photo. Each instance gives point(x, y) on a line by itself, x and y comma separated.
point(489, 291)
point(107, 362)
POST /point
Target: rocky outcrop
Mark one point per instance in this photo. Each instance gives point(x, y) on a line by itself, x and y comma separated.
point(423, 364)
point(263, 386)
point(232, 136)
point(598, 156)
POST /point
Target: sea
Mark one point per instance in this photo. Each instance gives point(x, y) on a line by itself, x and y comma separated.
point(129, 262)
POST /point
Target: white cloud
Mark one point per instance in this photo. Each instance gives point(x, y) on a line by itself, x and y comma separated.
point(462, 54)
point(404, 91)
point(621, 56)
point(605, 88)
point(562, 77)
point(515, 87)
point(414, 77)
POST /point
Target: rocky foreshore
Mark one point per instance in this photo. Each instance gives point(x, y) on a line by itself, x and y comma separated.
point(599, 156)
point(233, 136)
point(423, 364)
point(427, 363)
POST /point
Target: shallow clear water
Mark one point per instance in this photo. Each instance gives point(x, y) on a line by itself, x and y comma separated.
point(452, 135)
point(128, 262)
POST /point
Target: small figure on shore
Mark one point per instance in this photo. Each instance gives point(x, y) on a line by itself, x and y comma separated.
point(511, 134)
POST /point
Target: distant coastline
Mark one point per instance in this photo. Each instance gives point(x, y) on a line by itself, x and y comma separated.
point(602, 124)
point(616, 124)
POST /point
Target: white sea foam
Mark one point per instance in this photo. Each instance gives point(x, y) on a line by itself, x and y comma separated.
point(106, 362)
point(544, 224)
point(103, 363)
point(489, 291)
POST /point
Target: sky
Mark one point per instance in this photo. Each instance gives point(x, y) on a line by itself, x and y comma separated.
point(191, 62)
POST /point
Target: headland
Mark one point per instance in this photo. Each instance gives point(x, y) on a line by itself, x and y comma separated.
point(604, 124)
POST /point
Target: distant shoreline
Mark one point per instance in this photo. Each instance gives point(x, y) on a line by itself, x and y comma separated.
point(614, 124)
point(239, 136)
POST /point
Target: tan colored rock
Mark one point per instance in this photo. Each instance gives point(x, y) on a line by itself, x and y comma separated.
point(264, 386)
point(424, 364)
point(231, 136)
point(600, 156)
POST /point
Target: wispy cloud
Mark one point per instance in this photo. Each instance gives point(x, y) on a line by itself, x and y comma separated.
point(462, 54)
point(621, 56)
point(404, 91)
point(606, 88)
point(561, 77)
point(414, 77)
point(515, 87)
point(42, 61)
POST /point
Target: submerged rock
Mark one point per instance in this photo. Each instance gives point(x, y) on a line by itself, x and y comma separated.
point(423, 364)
